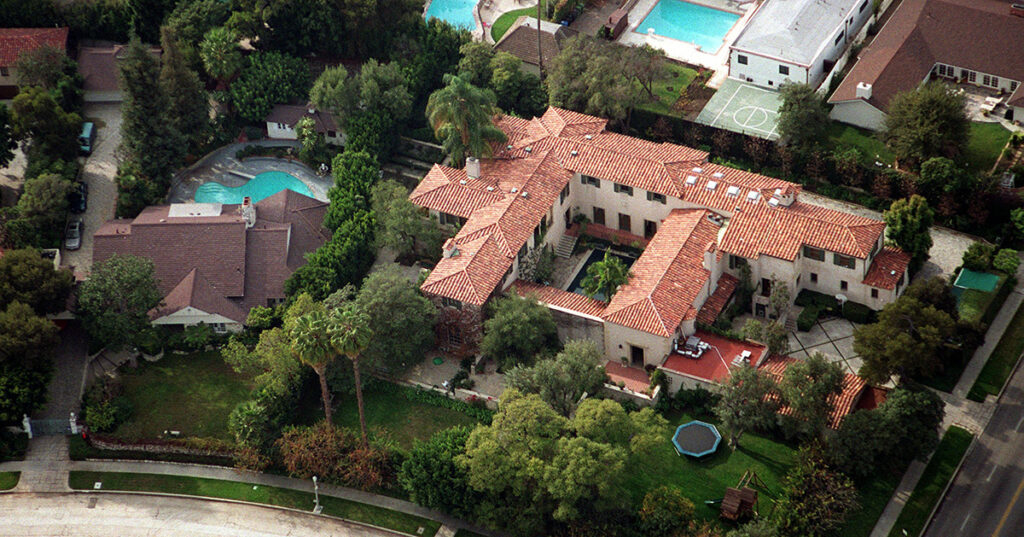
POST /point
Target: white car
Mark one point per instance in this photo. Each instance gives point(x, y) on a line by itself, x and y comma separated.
point(73, 235)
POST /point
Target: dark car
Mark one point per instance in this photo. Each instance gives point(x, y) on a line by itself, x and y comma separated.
point(79, 198)
point(73, 235)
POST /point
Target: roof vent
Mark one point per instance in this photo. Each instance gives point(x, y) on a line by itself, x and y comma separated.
point(589, 137)
point(574, 152)
point(462, 181)
point(778, 192)
point(712, 185)
point(490, 189)
point(892, 272)
point(528, 149)
point(753, 195)
point(698, 170)
point(524, 194)
point(718, 175)
point(691, 180)
point(509, 147)
point(774, 202)
point(514, 190)
point(733, 191)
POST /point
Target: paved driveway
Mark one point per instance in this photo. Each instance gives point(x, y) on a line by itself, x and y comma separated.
point(130, 515)
point(98, 173)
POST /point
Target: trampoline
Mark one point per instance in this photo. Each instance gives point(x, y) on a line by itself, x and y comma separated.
point(696, 439)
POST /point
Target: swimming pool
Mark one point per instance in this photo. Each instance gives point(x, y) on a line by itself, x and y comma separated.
point(259, 187)
point(688, 22)
point(457, 12)
point(597, 255)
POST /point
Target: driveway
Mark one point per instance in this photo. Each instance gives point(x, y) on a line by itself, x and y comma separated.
point(64, 394)
point(98, 173)
point(134, 515)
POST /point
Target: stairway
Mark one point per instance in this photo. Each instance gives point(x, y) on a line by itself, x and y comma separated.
point(565, 246)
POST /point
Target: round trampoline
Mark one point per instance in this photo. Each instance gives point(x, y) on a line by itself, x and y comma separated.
point(696, 439)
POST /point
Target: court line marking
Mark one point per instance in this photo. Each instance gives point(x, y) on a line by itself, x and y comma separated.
point(726, 107)
point(990, 474)
point(965, 522)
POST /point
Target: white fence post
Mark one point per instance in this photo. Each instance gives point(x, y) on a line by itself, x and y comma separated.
point(27, 425)
point(74, 423)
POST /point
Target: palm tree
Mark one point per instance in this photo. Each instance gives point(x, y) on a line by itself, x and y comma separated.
point(311, 343)
point(462, 116)
point(350, 334)
point(604, 277)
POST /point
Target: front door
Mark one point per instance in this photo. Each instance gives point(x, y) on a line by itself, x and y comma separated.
point(599, 216)
point(766, 287)
point(568, 218)
point(650, 228)
point(636, 356)
point(624, 222)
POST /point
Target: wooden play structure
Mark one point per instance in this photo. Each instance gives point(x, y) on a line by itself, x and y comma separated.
point(740, 502)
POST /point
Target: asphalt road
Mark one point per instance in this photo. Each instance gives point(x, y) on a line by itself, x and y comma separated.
point(129, 515)
point(987, 497)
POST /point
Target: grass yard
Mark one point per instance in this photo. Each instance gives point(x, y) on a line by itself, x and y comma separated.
point(8, 480)
point(670, 88)
point(974, 303)
point(843, 136)
point(191, 393)
point(707, 479)
point(873, 496)
point(505, 21)
point(232, 490)
point(986, 142)
point(933, 482)
point(1002, 360)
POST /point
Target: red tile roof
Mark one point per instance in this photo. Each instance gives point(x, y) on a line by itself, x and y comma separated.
point(559, 299)
point(668, 277)
point(472, 274)
point(887, 268)
point(451, 191)
point(714, 366)
point(715, 303)
point(634, 378)
point(843, 404)
point(14, 41)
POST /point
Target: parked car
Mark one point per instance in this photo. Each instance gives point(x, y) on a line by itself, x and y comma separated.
point(87, 137)
point(73, 235)
point(79, 198)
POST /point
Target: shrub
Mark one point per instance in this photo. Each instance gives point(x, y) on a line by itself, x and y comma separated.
point(250, 424)
point(805, 321)
point(665, 512)
point(978, 256)
point(699, 401)
point(106, 415)
point(197, 336)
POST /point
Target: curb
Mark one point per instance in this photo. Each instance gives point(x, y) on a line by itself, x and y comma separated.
point(945, 490)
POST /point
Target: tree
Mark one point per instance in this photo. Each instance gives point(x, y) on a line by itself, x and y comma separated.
point(928, 121)
point(749, 401)
point(50, 68)
point(475, 65)
point(516, 90)
point(401, 317)
point(905, 341)
point(267, 79)
point(914, 413)
point(37, 116)
point(350, 334)
point(22, 391)
point(1006, 261)
point(978, 256)
point(355, 173)
point(402, 225)
point(588, 75)
point(378, 87)
point(114, 302)
point(29, 278)
point(41, 212)
point(803, 117)
point(861, 443)
point(645, 65)
point(940, 175)
point(604, 277)
point(908, 224)
point(815, 500)
point(462, 117)
point(220, 54)
point(314, 146)
point(148, 134)
point(935, 291)
point(192, 20)
point(189, 106)
point(772, 333)
point(808, 388)
point(665, 512)
point(518, 330)
point(434, 479)
point(561, 381)
point(7, 140)
point(26, 339)
point(1016, 215)
point(311, 343)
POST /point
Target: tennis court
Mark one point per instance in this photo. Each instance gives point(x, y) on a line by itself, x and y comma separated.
point(744, 108)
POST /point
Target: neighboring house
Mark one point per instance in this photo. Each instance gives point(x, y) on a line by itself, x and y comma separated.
point(521, 42)
point(705, 222)
point(855, 394)
point(100, 74)
point(215, 262)
point(973, 41)
point(14, 41)
point(795, 40)
point(283, 118)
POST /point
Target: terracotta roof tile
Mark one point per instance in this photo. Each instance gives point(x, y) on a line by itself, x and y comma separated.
point(715, 303)
point(843, 404)
point(14, 41)
point(560, 299)
point(472, 275)
point(887, 268)
point(442, 190)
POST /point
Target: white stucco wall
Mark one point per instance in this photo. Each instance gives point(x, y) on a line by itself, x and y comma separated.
point(190, 316)
point(585, 197)
point(859, 113)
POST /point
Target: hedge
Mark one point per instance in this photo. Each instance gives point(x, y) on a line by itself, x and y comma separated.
point(851, 311)
point(430, 397)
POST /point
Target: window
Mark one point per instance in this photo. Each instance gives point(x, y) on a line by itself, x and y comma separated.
point(736, 262)
point(219, 328)
point(862, 7)
point(816, 254)
point(839, 37)
point(599, 216)
point(592, 181)
point(453, 334)
point(972, 76)
point(451, 303)
point(741, 59)
point(814, 277)
point(624, 222)
point(331, 134)
point(843, 286)
point(783, 69)
point(564, 194)
point(771, 83)
point(991, 81)
point(623, 189)
point(522, 253)
point(449, 219)
point(798, 280)
point(1013, 85)
point(4, 71)
point(654, 196)
point(650, 228)
point(844, 261)
point(874, 293)
point(271, 302)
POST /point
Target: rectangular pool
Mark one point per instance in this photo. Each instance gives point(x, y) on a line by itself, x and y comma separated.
point(458, 13)
point(692, 23)
point(597, 255)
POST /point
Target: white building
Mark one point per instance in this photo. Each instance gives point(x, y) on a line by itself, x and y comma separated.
point(795, 40)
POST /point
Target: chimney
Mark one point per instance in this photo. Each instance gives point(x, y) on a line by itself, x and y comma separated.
point(784, 197)
point(473, 167)
point(450, 249)
point(863, 90)
point(310, 108)
point(248, 212)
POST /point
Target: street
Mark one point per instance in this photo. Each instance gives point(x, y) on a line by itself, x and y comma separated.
point(986, 497)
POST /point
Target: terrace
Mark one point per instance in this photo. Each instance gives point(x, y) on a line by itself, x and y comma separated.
point(710, 361)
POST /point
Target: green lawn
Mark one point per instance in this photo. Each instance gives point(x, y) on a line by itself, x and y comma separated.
point(933, 482)
point(215, 488)
point(873, 496)
point(504, 22)
point(707, 479)
point(191, 393)
point(1002, 360)
point(670, 88)
point(8, 480)
point(402, 419)
point(843, 136)
point(974, 303)
point(986, 142)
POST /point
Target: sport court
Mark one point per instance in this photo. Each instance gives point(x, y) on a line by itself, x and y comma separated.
point(745, 108)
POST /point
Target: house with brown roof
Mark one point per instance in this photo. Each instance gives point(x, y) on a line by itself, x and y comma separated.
point(215, 262)
point(702, 223)
point(14, 41)
point(283, 117)
point(521, 42)
point(98, 66)
point(969, 41)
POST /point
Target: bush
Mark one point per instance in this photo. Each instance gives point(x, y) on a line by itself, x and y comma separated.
point(805, 321)
point(12, 445)
point(250, 424)
point(665, 512)
point(198, 336)
point(852, 311)
point(106, 415)
point(698, 401)
point(978, 256)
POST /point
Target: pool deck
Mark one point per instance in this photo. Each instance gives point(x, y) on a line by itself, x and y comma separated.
point(222, 166)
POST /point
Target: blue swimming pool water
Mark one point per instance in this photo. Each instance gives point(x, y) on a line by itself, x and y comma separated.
point(688, 22)
point(457, 12)
point(597, 255)
point(262, 186)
